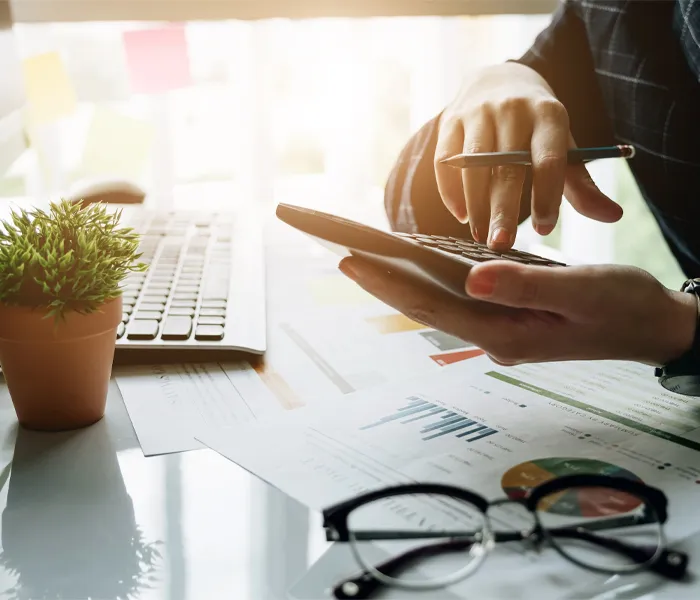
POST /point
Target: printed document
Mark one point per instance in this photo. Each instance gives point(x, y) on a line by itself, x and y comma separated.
point(485, 427)
point(168, 404)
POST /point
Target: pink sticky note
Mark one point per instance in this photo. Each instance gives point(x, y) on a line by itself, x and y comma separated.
point(158, 60)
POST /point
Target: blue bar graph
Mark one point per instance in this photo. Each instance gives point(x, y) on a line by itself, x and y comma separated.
point(441, 421)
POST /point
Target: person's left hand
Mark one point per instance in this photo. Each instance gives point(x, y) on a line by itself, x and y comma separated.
point(538, 314)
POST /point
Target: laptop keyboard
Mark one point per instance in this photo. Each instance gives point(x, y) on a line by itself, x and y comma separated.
point(184, 294)
point(474, 252)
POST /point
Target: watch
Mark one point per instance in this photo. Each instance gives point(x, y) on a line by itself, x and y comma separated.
point(682, 375)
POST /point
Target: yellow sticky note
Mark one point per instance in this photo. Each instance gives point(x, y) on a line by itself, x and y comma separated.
point(50, 93)
point(116, 145)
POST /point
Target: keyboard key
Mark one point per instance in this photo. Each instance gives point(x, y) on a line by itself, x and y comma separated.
point(120, 330)
point(127, 308)
point(129, 298)
point(209, 333)
point(190, 277)
point(183, 303)
point(157, 288)
point(186, 289)
point(125, 317)
point(155, 298)
point(181, 311)
point(213, 312)
point(214, 304)
point(177, 328)
point(154, 306)
point(142, 330)
point(210, 321)
point(148, 315)
point(185, 297)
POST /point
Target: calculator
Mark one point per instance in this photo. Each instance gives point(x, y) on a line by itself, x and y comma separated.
point(432, 260)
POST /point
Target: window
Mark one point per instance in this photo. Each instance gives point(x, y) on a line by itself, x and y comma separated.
point(310, 111)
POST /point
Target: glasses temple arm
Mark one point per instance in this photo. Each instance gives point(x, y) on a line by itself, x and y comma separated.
point(670, 563)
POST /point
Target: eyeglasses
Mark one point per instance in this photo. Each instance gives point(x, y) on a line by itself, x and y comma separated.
point(606, 524)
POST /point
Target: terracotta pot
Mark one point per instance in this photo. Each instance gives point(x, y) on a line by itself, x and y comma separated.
point(58, 374)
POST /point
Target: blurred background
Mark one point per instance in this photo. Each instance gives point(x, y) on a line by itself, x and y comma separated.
point(196, 100)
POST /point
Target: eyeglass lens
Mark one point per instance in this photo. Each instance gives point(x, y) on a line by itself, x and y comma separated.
point(602, 528)
point(444, 550)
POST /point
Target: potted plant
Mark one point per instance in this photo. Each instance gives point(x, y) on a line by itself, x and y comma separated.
point(60, 306)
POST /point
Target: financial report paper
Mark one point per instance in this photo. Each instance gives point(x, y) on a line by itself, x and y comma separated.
point(489, 428)
point(494, 430)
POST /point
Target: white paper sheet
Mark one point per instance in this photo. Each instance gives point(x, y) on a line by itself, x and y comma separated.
point(168, 404)
point(486, 428)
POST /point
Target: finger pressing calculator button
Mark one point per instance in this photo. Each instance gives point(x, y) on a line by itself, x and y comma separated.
point(142, 330)
point(209, 333)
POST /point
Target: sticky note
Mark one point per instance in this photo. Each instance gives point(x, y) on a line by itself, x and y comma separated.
point(157, 59)
point(50, 94)
point(116, 145)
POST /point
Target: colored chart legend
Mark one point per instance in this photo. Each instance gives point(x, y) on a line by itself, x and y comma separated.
point(441, 421)
point(450, 358)
point(396, 323)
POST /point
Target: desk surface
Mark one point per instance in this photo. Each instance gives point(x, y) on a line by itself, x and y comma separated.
point(85, 515)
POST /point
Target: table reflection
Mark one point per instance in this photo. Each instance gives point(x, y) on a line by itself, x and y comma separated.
point(68, 528)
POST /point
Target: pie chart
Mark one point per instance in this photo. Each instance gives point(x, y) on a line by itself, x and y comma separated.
point(578, 502)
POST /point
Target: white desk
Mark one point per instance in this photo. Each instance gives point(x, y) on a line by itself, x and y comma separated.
point(85, 515)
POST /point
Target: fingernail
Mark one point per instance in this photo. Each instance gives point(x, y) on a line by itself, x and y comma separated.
point(475, 234)
point(460, 215)
point(346, 267)
point(481, 284)
point(500, 236)
point(544, 229)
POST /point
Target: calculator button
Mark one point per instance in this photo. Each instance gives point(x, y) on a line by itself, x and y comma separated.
point(120, 330)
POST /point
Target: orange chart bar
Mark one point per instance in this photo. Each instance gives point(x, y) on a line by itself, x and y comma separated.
point(279, 387)
point(455, 357)
point(397, 323)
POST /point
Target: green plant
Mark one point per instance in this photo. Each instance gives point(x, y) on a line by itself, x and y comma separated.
point(69, 258)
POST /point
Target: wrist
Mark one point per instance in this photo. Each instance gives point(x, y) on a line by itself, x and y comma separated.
point(679, 321)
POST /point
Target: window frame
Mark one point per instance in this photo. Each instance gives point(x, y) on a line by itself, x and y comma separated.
point(48, 11)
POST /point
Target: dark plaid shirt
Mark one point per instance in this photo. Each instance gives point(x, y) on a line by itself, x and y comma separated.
point(628, 71)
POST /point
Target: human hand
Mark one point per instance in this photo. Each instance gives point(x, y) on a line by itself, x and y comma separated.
point(539, 314)
point(504, 108)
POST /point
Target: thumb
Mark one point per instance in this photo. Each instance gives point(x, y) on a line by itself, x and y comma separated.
point(583, 194)
point(553, 289)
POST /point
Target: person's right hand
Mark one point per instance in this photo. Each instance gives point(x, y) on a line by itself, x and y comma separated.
point(504, 108)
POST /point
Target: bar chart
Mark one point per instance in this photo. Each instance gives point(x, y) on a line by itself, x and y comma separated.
point(434, 421)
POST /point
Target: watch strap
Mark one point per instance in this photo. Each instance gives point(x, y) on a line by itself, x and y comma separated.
point(689, 362)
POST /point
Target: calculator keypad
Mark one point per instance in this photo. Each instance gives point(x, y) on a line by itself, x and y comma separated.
point(474, 252)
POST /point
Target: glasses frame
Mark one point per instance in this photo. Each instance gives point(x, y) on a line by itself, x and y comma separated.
point(668, 563)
